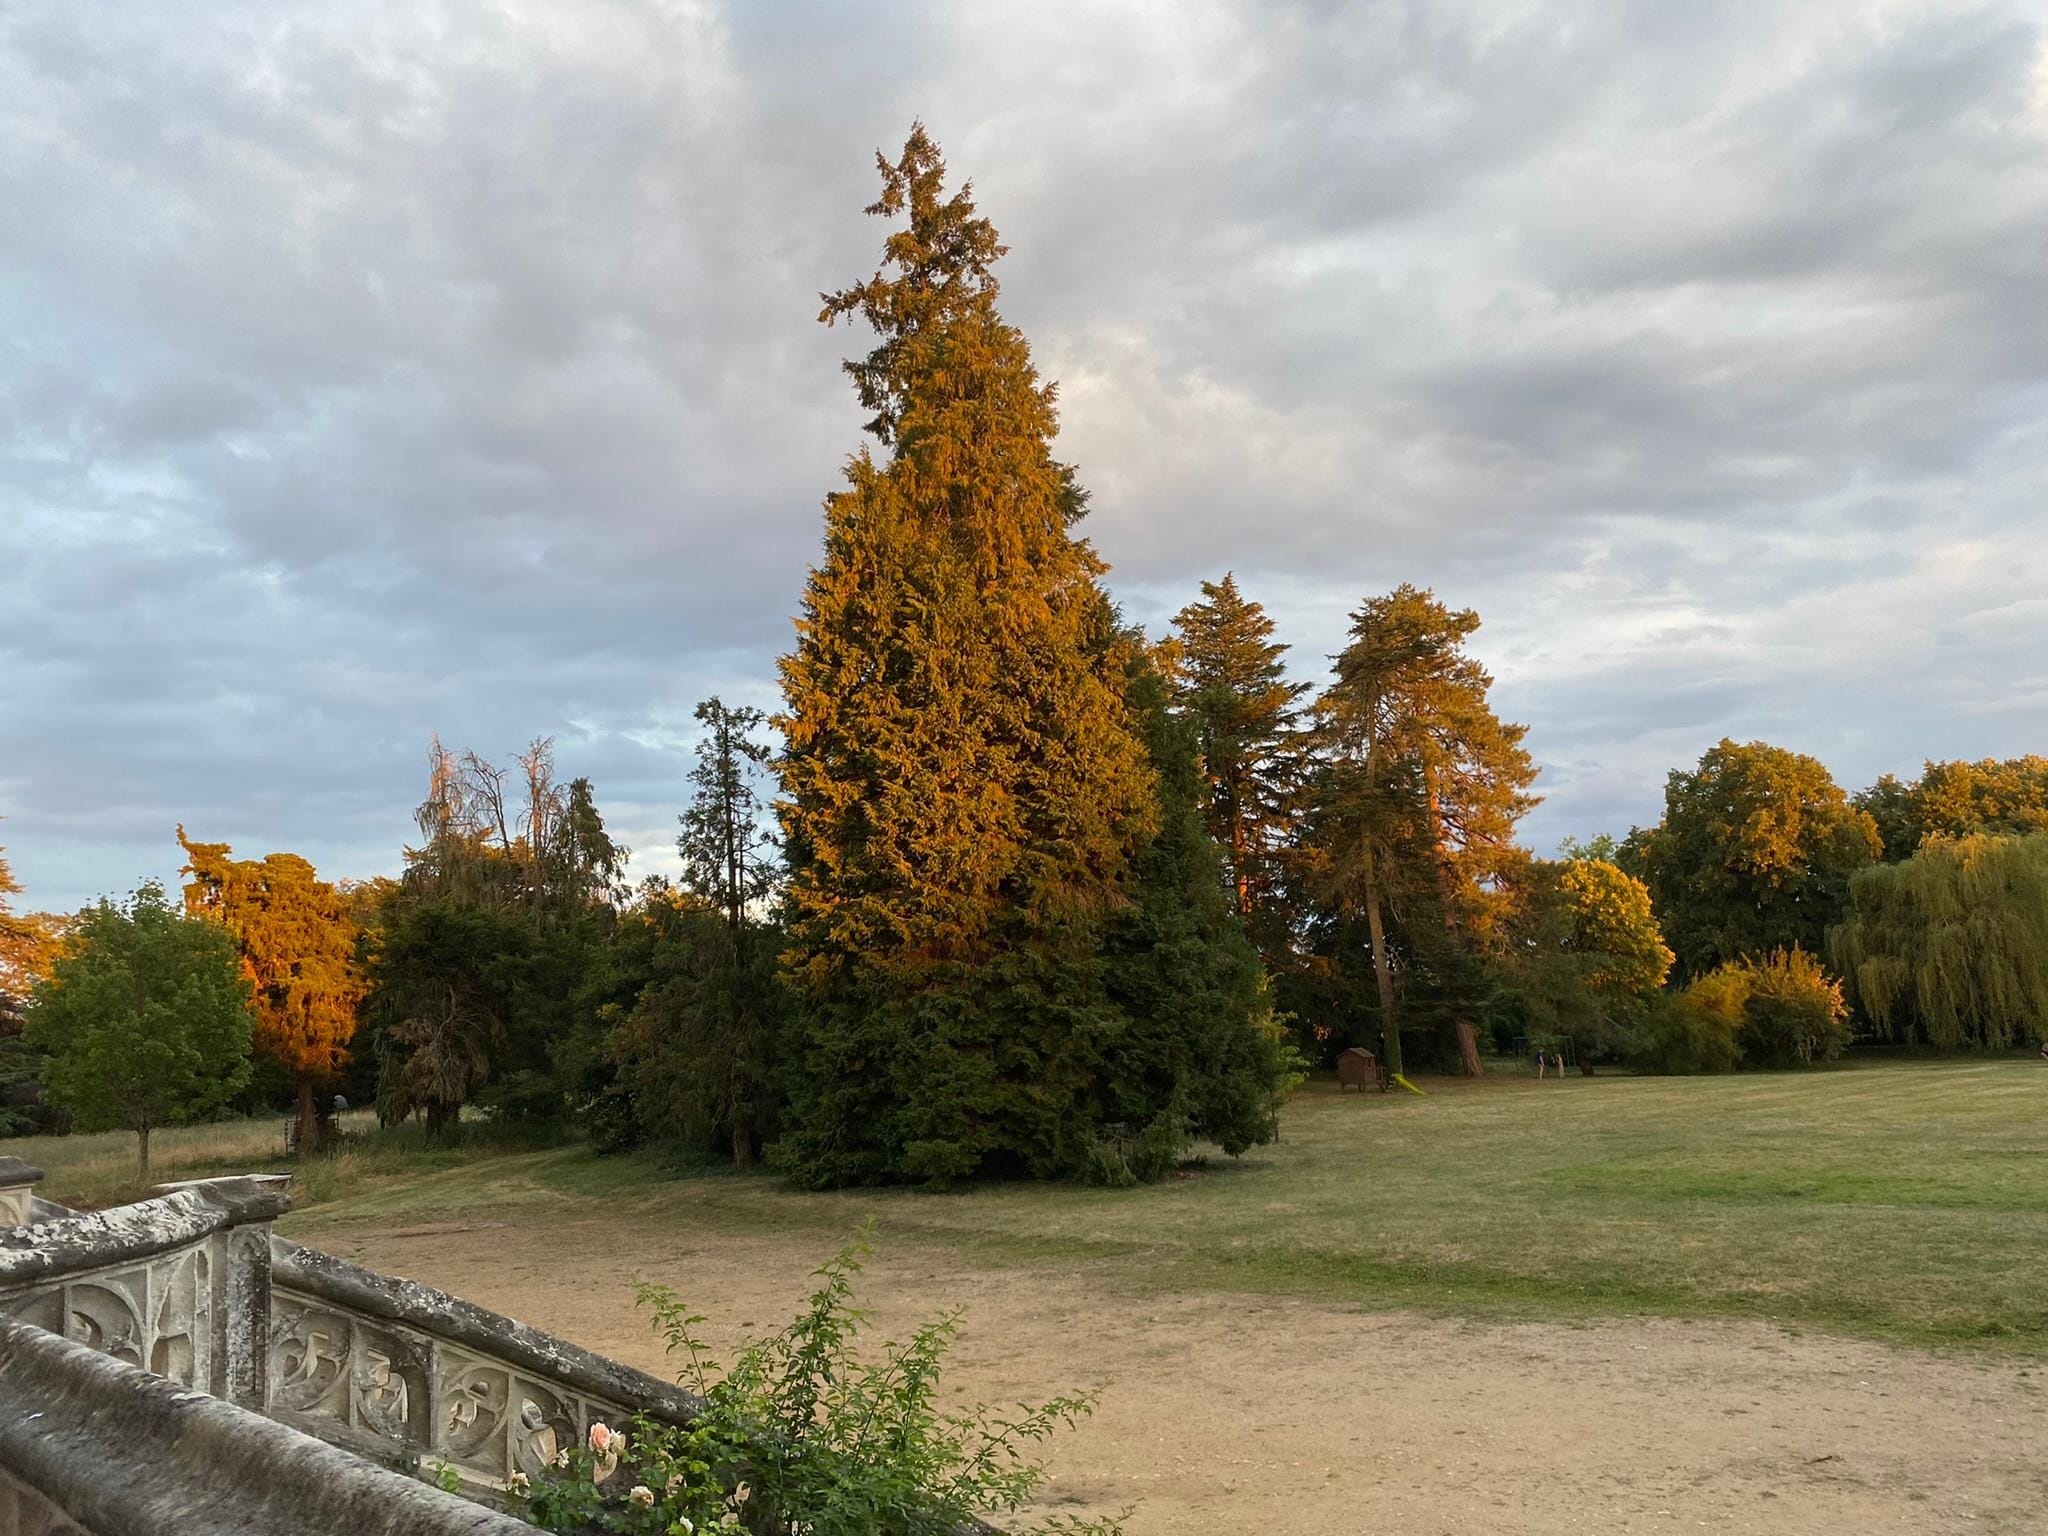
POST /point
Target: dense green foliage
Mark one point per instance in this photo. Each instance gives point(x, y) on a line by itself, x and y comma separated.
point(478, 956)
point(1774, 1010)
point(1582, 958)
point(146, 1017)
point(699, 1030)
point(1416, 789)
point(1950, 947)
point(1952, 800)
point(1754, 853)
point(1230, 681)
point(966, 783)
point(802, 1433)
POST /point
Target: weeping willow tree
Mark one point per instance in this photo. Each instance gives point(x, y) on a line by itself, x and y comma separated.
point(1951, 945)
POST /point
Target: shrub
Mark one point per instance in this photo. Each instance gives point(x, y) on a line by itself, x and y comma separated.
point(1774, 1010)
point(1792, 1010)
point(803, 1437)
point(1683, 1035)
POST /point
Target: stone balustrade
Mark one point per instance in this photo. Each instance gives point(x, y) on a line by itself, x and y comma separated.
point(401, 1372)
point(117, 1325)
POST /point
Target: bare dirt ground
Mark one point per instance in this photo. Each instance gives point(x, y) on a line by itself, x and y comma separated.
point(1235, 1413)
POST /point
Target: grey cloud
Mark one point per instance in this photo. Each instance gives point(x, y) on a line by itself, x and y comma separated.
point(371, 372)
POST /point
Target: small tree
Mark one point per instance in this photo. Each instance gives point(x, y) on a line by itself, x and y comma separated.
point(699, 1042)
point(146, 1018)
point(1774, 1010)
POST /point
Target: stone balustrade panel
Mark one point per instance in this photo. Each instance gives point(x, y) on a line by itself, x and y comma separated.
point(407, 1397)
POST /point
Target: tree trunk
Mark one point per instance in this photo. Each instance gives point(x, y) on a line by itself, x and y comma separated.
point(437, 1119)
point(1382, 967)
point(742, 1146)
point(1468, 1039)
point(1468, 1049)
point(142, 1148)
point(309, 1117)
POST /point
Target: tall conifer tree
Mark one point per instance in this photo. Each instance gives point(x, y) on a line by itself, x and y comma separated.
point(1231, 681)
point(964, 783)
point(1421, 787)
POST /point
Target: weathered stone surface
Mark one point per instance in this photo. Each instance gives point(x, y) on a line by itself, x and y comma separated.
point(99, 1239)
point(352, 1288)
point(17, 1198)
point(126, 1453)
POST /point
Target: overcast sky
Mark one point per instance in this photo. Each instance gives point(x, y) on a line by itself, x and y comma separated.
point(371, 371)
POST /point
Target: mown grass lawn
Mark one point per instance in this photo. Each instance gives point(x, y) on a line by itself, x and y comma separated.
point(1903, 1200)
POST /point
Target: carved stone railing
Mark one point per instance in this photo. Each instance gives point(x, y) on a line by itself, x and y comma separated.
point(190, 1290)
point(407, 1374)
point(94, 1445)
point(178, 1285)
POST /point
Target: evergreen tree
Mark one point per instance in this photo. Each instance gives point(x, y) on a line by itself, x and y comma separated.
point(1202, 1056)
point(1420, 788)
point(726, 853)
point(1232, 682)
point(964, 786)
point(298, 946)
point(1754, 854)
point(699, 1043)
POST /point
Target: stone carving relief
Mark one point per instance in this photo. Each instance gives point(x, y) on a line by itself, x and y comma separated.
point(156, 1314)
point(411, 1396)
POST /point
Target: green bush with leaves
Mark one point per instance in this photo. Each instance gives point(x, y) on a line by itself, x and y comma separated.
point(1774, 1010)
point(801, 1436)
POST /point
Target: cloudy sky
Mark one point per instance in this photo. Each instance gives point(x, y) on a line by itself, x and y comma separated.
point(368, 371)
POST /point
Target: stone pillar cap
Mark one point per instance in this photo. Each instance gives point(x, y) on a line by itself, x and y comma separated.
point(14, 1173)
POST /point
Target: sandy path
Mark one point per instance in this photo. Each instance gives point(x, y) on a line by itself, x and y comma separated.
point(1248, 1413)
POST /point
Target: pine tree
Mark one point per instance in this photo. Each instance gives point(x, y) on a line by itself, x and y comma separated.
point(1231, 680)
point(964, 786)
point(698, 1044)
point(1202, 1055)
point(1420, 790)
point(727, 857)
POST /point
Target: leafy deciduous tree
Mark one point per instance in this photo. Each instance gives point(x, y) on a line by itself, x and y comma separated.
point(146, 1017)
point(1951, 945)
point(1754, 854)
point(1959, 799)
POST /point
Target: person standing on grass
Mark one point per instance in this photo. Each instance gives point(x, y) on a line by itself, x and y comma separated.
point(1539, 1064)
